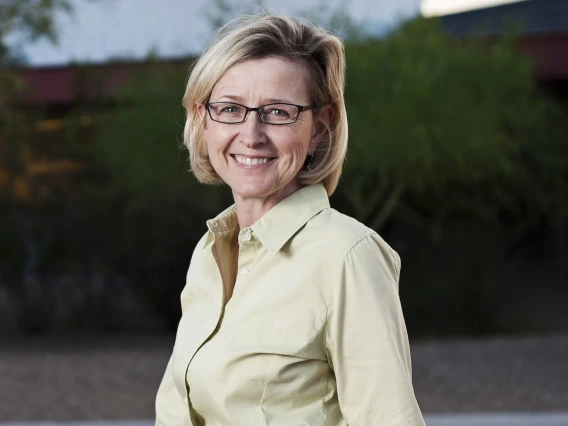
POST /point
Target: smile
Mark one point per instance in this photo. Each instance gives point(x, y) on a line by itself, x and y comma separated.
point(247, 161)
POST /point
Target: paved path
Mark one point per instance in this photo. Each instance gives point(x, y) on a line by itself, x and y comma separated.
point(62, 381)
point(474, 419)
point(498, 419)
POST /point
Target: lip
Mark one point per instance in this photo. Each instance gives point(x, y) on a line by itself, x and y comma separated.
point(259, 160)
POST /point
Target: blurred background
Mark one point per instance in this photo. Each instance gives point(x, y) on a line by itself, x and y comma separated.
point(458, 157)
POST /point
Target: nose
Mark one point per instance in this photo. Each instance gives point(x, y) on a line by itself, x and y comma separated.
point(252, 130)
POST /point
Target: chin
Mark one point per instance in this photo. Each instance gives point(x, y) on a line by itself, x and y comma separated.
point(253, 191)
point(256, 188)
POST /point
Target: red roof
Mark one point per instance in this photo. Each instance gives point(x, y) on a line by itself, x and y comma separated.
point(74, 83)
point(550, 53)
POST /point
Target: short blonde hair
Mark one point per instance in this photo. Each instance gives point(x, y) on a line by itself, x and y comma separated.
point(259, 36)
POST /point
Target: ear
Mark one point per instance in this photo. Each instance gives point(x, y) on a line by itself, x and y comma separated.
point(321, 126)
point(202, 112)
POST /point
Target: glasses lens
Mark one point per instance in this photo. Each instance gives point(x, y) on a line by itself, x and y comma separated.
point(279, 113)
point(227, 112)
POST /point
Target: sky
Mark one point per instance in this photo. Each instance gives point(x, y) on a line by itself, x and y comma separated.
point(444, 7)
point(99, 30)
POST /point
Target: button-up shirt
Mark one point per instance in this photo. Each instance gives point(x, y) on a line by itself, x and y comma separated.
point(313, 333)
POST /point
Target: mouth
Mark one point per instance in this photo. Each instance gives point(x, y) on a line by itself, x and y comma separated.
point(251, 161)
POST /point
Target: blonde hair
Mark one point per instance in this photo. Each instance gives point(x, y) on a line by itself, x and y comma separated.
point(256, 37)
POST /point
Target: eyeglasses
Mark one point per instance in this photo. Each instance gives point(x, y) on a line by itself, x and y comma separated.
point(276, 114)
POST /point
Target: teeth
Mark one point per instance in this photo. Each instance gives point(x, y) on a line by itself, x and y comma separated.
point(250, 161)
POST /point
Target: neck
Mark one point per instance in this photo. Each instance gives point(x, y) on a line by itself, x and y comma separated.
point(250, 209)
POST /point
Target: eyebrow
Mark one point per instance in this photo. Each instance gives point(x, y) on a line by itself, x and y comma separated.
point(268, 101)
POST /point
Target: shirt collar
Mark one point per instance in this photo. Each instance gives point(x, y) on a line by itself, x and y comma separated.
point(281, 222)
point(221, 224)
point(278, 225)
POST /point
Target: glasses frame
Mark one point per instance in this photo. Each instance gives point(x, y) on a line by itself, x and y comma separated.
point(301, 108)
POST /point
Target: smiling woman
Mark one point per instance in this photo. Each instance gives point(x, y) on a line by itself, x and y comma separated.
point(291, 313)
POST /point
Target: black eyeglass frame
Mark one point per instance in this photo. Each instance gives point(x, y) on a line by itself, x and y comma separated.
point(301, 108)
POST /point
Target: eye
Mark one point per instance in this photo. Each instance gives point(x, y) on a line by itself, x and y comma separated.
point(229, 109)
point(277, 111)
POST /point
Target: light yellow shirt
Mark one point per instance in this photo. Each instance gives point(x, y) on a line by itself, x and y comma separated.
point(312, 335)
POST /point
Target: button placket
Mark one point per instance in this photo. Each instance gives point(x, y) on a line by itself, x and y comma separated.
point(246, 248)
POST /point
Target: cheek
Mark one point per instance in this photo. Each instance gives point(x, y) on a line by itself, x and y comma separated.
point(296, 151)
point(298, 135)
point(215, 154)
point(216, 142)
point(302, 142)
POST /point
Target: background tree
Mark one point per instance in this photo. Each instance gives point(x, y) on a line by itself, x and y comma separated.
point(23, 21)
point(447, 116)
point(454, 154)
point(29, 20)
point(156, 208)
point(456, 157)
point(22, 224)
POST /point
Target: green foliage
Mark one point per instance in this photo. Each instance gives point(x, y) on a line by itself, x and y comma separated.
point(446, 140)
point(435, 119)
point(155, 206)
point(454, 155)
point(28, 20)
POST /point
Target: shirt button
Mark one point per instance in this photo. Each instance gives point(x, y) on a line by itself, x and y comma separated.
point(245, 271)
point(185, 400)
point(247, 236)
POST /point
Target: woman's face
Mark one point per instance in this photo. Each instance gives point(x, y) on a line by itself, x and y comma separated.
point(260, 160)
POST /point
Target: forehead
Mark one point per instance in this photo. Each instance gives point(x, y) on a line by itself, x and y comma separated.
point(272, 78)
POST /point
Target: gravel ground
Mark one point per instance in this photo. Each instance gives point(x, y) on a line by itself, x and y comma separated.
point(116, 377)
point(497, 374)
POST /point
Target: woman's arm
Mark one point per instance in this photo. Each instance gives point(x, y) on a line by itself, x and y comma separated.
point(367, 343)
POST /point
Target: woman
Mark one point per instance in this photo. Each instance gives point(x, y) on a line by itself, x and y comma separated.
point(291, 313)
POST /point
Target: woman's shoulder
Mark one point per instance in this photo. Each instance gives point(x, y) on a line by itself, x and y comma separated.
point(341, 233)
point(343, 238)
point(340, 225)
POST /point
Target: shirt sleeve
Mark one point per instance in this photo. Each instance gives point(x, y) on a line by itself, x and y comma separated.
point(170, 407)
point(366, 339)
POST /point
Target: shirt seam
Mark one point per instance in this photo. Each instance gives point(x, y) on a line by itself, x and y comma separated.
point(395, 262)
point(355, 243)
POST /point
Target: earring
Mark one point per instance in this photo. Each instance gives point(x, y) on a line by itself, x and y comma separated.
point(309, 159)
